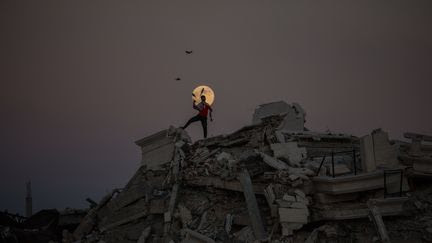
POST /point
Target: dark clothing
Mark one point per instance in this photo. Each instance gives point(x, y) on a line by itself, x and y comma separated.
point(196, 118)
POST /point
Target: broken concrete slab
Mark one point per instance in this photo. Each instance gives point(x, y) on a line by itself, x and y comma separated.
point(124, 221)
point(367, 154)
point(289, 152)
point(387, 207)
point(223, 184)
point(179, 134)
point(252, 205)
point(354, 183)
point(385, 153)
point(294, 115)
point(273, 162)
point(156, 149)
point(89, 221)
point(172, 202)
point(376, 151)
point(378, 221)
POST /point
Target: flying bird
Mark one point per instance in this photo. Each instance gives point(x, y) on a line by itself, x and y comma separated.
point(178, 79)
point(188, 52)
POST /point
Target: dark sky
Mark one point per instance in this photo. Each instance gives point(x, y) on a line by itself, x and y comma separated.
point(82, 80)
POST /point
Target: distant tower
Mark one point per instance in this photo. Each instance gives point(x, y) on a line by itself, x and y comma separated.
point(29, 202)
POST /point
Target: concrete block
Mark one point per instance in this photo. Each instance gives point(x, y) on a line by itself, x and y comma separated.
point(252, 205)
point(385, 153)
point(367, 154)
point(293, 215)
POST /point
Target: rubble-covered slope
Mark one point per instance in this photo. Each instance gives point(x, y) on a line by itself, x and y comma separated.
point(267, 183)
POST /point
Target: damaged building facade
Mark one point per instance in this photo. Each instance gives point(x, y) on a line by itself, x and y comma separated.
point(271, 181)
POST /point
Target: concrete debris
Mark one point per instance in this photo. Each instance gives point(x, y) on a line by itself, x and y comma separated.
point(294, 115)
point(203, 220)
point(289, 198)
point(157, 149)
point(228, 223)
point(245, 235)
point(195, 237)
point(144, 235)
point(252, 205)
point(376, 217)
point(270, 197)
point(416, 148)
point(270, 181)
point(224, 157)
point(328, 231)
point(185, 215)
point(367, 154)
point(273, 162)
point(377, 151)
point(289, 152)
point(288, 228)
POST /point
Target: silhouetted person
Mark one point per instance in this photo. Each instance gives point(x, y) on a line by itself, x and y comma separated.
point(203, 107)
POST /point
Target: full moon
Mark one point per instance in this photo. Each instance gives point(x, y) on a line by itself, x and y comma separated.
point(203, 90)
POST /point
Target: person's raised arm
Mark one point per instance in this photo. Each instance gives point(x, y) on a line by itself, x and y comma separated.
point(194, 106)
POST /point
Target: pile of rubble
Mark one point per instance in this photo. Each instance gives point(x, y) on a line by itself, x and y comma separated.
point(272, 181)
point(45, 226)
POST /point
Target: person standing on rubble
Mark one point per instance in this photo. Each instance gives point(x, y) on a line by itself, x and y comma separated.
point(203, 108)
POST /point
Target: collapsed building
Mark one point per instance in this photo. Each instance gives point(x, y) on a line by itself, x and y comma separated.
point(271, 181)
point(46, 225)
